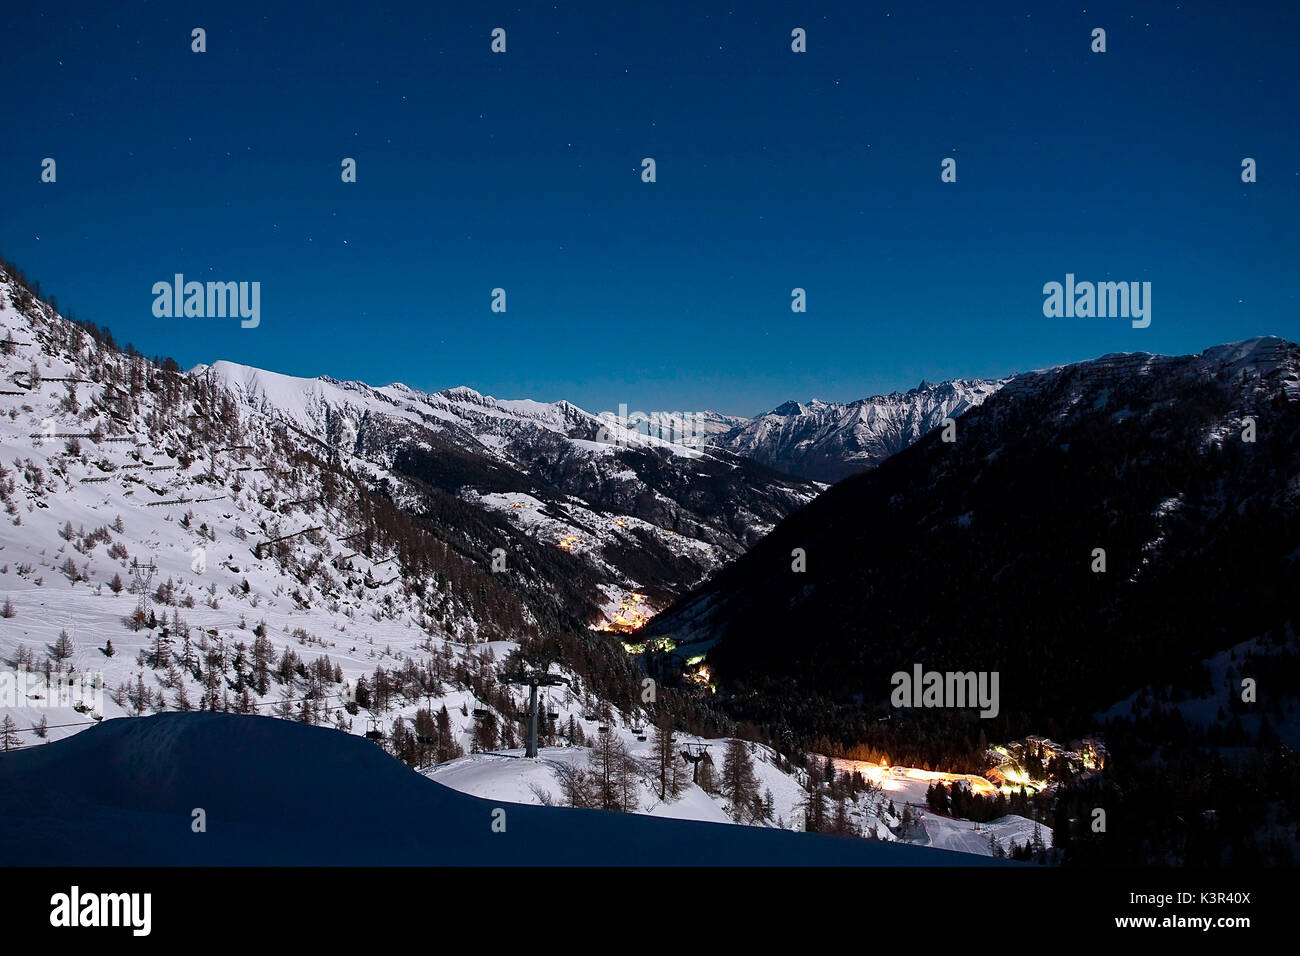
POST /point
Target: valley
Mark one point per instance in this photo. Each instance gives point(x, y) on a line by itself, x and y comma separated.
point(380, 561)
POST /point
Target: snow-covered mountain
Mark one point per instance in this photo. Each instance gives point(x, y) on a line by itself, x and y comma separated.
point(240, 541)
point(692, 429)
point(828, 441)
point(175, 541)
point(638, 511)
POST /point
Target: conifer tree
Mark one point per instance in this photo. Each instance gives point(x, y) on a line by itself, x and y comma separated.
point(705, 774)
point(842, 825)
point(9, 738)
point(448, 747)
point(667, 763)
point(611, 769)
point(739, 784)
point(63, 648)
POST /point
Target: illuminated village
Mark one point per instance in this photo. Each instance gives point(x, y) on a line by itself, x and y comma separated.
point(1033, 762)
point(631, 616)
point(659, 655)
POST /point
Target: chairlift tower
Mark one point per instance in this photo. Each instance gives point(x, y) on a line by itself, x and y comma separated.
point(693, 755)
point(533, 676)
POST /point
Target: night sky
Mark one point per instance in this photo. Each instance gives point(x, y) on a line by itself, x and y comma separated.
point(775, 170)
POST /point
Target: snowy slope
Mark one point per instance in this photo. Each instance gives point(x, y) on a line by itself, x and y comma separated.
point(193, 495)
point(509, 776)
point(906, 786)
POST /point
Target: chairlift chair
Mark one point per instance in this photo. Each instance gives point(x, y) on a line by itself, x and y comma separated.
point(373, 729)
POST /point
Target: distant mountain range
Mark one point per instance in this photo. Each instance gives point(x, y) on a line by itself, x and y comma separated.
point(828, 441)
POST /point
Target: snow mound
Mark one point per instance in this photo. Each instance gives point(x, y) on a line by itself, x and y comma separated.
point(277, 793)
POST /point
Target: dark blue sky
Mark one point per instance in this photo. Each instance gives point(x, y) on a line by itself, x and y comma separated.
point(775, 170)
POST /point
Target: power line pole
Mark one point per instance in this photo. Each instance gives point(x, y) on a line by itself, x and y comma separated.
point(142, 575)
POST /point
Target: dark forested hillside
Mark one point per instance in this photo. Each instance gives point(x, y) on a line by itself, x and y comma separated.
point(979, 553)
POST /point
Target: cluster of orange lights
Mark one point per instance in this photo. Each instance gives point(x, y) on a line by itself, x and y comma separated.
point(630, 616)
point(567, 542)
point(700, 676)
point(892, 778)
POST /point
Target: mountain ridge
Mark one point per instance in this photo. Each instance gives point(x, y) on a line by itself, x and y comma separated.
point(828, 441)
